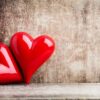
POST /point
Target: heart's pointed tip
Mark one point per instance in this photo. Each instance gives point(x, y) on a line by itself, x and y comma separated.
point(27, 81)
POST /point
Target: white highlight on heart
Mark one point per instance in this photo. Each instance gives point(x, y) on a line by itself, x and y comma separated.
point(48, 42)
point(4, 68)
point(28, 42)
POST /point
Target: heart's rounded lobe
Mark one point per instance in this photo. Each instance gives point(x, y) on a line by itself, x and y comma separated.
point(9, 72)
point(31, 53)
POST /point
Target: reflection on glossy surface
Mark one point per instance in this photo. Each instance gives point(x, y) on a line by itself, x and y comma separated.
point(27, 40)
point(31, 53)
point(48, 42)
point(8, 69)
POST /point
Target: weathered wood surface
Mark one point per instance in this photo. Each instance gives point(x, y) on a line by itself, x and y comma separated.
point(51, 91)
point(75, 27)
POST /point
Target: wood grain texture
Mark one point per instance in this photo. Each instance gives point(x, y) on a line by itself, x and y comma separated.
point(50, 92)
point(75, 27)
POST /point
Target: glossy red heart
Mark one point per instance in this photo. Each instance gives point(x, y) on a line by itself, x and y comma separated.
point(31, 53)
point(9, 71)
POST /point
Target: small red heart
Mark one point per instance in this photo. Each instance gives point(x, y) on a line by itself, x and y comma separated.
point(31, 53)
point(9, 72)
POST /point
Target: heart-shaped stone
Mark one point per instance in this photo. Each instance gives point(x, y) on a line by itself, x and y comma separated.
point(31, 53)
point(9, 72)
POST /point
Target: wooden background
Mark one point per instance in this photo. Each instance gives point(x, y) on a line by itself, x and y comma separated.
point(73, 24)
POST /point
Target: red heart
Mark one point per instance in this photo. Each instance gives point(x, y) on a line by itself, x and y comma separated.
point(31, 53)
point(8, 69)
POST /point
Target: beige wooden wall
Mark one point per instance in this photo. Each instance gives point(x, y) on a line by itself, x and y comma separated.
point(73, 24)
